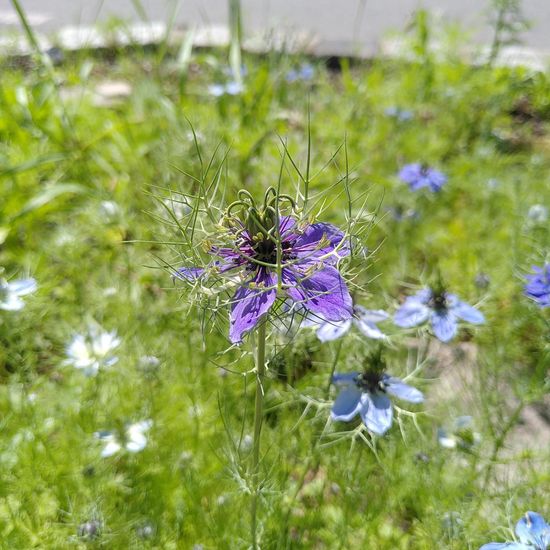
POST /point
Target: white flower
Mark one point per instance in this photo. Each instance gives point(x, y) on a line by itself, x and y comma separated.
point(460, 435)
point(538, 214)
point(93, 351)
point(10, 293)
point(133, 439)
point(110, 210)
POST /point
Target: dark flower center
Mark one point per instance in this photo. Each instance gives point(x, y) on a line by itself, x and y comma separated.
point(438, 301)
point(266, 251)
point(371, 381)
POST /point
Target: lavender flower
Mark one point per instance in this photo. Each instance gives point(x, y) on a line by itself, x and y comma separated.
point(269, 254)
point(443, 309)
point(366, 394)
point(418, 175)
point(364, 319)
point(531, 530)
point(304, 72)
point(538, 285)
point(11, 292)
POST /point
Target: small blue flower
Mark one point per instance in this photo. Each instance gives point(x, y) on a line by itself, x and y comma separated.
point(418, 175)
point(304, 72)
point(538, 285)
point(231, 88)
point(443, 309)
point(364, 319)
point(366, 394)
point(537, 214)
point(402, 115)
point(531, 530)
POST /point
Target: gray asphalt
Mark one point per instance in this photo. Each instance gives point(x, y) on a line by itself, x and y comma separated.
point(342, 26)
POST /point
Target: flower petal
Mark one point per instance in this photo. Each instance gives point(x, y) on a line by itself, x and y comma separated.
point(319, 240)
point(324, 292)
point(412, 313)
point(370, 315)
point(21, 287)
point(397, 387)
point(508, 545)
point(189, 274)
point(446, 440)
point(468, 313)
point(12, 302)
point(250, 304)
point(532, 529)
point(347, 404)
point(376, 412)
point(444, 325)
point(369, 329)
point(332, 330)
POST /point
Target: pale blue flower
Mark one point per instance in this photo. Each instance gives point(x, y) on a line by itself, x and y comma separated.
point(366, 394)
point(11, 292)
point(442, 309)
point(231, 88)
point(364, 319)
point(531, 530)
point(304, 72)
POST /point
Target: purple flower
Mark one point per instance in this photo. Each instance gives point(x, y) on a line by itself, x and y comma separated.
point(419, 175)
point(308, 275)
point(531, 530)
point(538, 285)
point(442, 309)
point(367, 394)
point(364, 319)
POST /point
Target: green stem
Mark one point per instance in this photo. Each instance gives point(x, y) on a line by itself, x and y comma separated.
point(258, 419)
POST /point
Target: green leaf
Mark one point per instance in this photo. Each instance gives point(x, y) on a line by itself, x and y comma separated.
point(49, 194)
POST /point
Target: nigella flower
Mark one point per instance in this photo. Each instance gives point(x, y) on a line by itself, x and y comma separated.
point(418, 175)
point(364, 319)
point(93, 351)
point(270, 255)
point(367, 394)
point(304, 72)
point(400, 213)
point(538, 285)
point(461, 435)
point(231, 88)
point(531, 530)
point(402, 115)
point(11, 292)
point(538, 214)
point(442, 309)
point(133, 439)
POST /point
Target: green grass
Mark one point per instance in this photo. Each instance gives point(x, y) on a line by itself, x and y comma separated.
point(61, 156)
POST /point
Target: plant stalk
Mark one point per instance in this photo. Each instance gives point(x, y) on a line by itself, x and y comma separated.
point(258, 420)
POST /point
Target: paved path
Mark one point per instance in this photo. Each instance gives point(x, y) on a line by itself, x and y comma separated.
point(341, 26)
